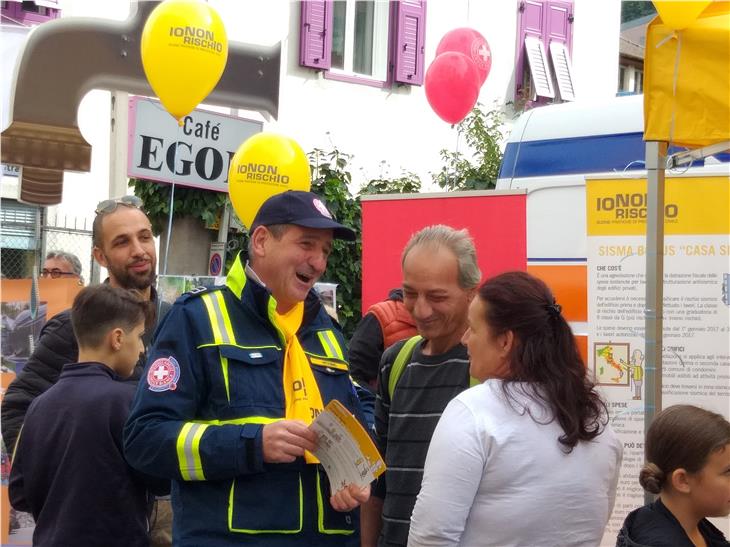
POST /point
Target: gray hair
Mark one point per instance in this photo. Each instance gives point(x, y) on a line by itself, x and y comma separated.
point(277, 230)
point(68, 257)
point(458, 242)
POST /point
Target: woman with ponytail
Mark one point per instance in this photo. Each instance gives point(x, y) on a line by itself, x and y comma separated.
point(688, 466)
point(527, 457)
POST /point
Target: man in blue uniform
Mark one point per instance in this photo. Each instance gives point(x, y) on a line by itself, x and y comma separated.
point(217, 410)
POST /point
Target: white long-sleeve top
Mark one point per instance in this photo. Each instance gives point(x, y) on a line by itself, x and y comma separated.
point(495, 475)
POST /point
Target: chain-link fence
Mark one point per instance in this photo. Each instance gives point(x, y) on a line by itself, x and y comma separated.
point(71, 236)
point(28, 236)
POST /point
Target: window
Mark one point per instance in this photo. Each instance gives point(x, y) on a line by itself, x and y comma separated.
point(544, 42)
point(375, 42)
point(360, 38)
point(638, 81)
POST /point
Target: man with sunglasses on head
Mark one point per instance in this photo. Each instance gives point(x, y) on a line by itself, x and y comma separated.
point(123, 244)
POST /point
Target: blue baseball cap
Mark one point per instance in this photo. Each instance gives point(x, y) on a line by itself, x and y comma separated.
point(301, 209)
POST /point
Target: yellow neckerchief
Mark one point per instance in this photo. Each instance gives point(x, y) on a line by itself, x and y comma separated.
point(303, 400)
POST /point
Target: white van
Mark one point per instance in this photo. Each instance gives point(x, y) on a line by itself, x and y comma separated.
point(550, 151)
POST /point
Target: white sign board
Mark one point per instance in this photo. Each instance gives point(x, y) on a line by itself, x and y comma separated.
point(206, 143)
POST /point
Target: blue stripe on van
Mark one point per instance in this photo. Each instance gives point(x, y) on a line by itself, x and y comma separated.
point(591, 154)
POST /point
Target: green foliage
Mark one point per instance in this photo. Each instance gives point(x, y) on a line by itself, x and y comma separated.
point(205, 205)
point(331, 179)
point(407, 183)
point(633, 9)
point(482, 131)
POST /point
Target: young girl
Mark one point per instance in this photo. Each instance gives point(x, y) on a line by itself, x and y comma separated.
point(688, 465)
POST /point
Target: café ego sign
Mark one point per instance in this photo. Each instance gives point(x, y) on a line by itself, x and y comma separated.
point(206, 142)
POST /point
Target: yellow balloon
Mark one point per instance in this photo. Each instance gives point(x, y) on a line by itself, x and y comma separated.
point(184, 52)
point(679, 14)
point(264, 165)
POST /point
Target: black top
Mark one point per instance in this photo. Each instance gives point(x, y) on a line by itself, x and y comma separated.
point(56, 347)
point(655, 526)
point(405, 425)
point(69, 470)
point(367, 345)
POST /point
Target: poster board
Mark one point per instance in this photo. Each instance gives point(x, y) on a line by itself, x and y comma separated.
point(696, 339)
point(18, 326)
point(496, 220)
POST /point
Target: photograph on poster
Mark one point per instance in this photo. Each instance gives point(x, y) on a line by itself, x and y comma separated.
point(171, 287)
point(19, 332)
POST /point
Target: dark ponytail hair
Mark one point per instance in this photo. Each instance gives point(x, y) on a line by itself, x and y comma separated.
point(681, 437)
point(544, 354)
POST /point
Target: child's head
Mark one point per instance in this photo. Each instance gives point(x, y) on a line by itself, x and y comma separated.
point(688, 452)
point(109, 322)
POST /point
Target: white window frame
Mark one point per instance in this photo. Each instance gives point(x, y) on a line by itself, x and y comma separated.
point(381, 24)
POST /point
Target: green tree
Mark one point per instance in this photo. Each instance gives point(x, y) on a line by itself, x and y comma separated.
point(633, 9)
point(205, 205)
point(482, 131)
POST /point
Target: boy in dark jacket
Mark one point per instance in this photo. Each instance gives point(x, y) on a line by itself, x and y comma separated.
point(69, 470)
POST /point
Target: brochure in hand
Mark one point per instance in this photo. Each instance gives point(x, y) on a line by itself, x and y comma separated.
point(345, 449)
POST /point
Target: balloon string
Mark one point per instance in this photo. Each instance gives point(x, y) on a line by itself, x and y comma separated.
point(172, 201)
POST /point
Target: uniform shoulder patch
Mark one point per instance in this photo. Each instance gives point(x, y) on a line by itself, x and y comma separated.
point(197, 291)
point(163, 374)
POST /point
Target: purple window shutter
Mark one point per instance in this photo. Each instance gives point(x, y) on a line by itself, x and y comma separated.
point(409, 55)
point(315, 34)
point(532, 22)
point(559, 25)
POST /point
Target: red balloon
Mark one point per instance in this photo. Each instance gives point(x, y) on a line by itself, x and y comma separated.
point(472, 44)
point(452, 86)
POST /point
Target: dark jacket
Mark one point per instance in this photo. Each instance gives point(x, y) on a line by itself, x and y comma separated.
point(655, 526)
point(213, 382)
point(372, 337)
point(69, 470)
point(56, 347)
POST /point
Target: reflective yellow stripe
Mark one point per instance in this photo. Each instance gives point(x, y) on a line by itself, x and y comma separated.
point(320, 514)
point(227, 327)
point(271, 312)
point(329, 363)
point(240, 421)
point(188, 451)
point(236, 278)
point(224, 370)
point(330, 344)
point(246, 531)
point(212, 316)
point(220, 322)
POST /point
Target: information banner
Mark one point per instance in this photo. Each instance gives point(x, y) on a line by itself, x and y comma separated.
point(696, 340)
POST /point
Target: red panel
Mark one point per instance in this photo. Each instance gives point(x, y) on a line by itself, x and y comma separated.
point(496, 222)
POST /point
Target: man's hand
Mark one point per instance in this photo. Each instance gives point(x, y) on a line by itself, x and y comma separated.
point(350, 497)
point(286, 440)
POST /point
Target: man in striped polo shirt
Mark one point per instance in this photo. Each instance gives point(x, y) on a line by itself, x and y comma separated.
point(440, 277)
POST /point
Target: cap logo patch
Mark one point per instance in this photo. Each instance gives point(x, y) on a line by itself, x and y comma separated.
point(321, 208)
point(163, 374)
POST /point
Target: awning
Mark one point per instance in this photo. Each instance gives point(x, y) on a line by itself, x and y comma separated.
point(697, 61)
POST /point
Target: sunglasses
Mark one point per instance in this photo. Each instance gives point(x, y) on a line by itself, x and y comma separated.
point(55, 273)
point(109, 205)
